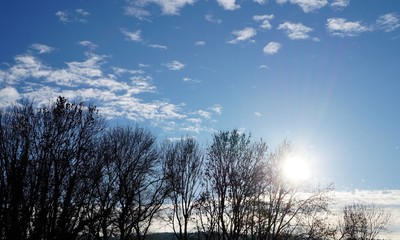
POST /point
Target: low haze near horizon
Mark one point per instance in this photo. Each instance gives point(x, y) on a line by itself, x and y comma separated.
point(323, 74)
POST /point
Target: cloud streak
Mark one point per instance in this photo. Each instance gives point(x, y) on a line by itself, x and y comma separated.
point(134, 36)
point(340, 4)
point(79, 15)
point(264, 19)
point(243, 35)
point(306, 5)
point(343, 28)
point(295, 31)
point(210, 18)
point(388, 22)
point(41, 48)
point(175, 65)
point(272, 48)
point(137, 8)
point(116, 93)
point(228, 4)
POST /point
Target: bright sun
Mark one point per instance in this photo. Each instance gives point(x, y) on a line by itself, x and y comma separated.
point(296, 169)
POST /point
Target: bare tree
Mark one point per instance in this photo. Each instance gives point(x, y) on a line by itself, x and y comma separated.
point(183, 170)
point(289, 204)
point(363, 222)
point(232, 172)
point(16, 133)
point(133, 188)
point(48, 168)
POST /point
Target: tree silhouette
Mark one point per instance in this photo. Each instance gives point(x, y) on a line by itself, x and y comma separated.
point(183, 171)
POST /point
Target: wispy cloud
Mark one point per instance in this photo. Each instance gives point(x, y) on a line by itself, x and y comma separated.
point(272, 48)
point(175, 65)
point(171, 7)
point(211, 18)
point(295, 31)
point(88, 44)
point(62, 16)
point(340, 4)
point(216, 108)
point(228, 4)
point(257, 114)
point(264, 19)
point(162, 47)
point(8, 96)
point(120, 71)
point(138, 8)
point(142, 65)
point(116, 93)
point(388, 22)
point(190, 80)
point(136, 11)
point(41, 48)
point(261, 1)
point(306, 5)
point(243, 35)
point(204, 114)
point(79, 15)
point(200, 43)
point(134, 36)
point(342, 28)
point(82, 12)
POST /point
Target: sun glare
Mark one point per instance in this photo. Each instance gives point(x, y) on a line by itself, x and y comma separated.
point(296, 169)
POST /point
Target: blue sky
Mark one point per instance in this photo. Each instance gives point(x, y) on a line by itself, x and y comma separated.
point(323, 74)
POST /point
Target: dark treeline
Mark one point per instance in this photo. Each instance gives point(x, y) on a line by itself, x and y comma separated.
point(65, 175)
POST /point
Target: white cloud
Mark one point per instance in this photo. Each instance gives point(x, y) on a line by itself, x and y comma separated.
point(385, 199)
point(190, 80)
point(82, 12)
point(8, 96)
point(388, 22)
point(264, 19)
point(120, 71)
point(210, 18)
point(137, 12)
point(257, 114)
point(175, 65)
point(26, 66)
point(200, 43)
point(88, 44)
point(261, 1)
point(142, 65)
point(243, 35)
point(263, 66)
point(77, 16)
point(132, 36)
point(157, 46)
point(41, 48)
point(295, 30)
point(272, 48)
point(87, 81)
point(228, 4)
point(306, 5)
point(62, 16)
point(216, 108)
point(204, 114)
point(341, 27)
point(339, 4)
point(115, 90)
point(171, 7)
